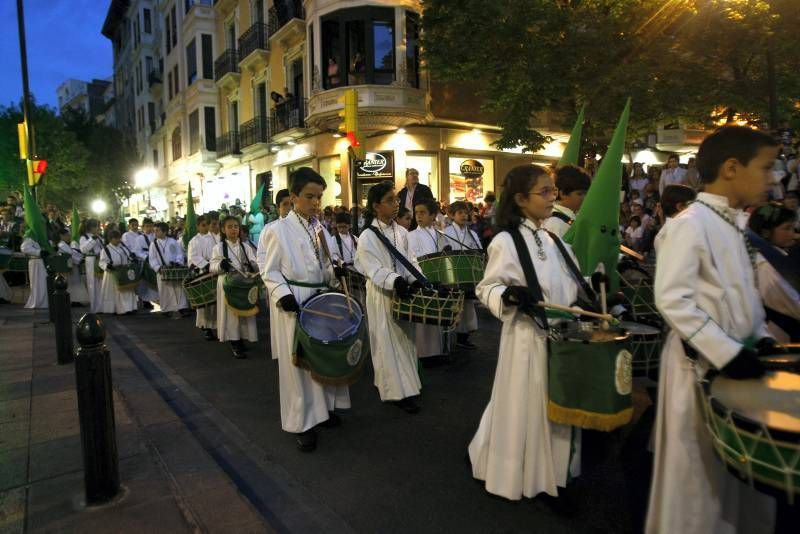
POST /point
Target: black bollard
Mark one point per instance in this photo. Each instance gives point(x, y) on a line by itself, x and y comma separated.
point(50, 277)
point(62, 313)
point(96, 411)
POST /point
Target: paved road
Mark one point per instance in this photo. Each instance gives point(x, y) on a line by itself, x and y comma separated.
point(384, 470)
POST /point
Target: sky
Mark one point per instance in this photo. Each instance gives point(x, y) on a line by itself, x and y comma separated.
point(64, 41)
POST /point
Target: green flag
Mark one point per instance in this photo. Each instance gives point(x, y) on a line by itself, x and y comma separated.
point(75, 224)
point(190, 225)
point(594, 235)
point(255, 205)
point(573, 149)
point(34, 221)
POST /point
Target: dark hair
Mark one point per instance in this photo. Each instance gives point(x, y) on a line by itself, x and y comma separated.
point(768, 217)
point(303, 176)
point(459, 205)
point(673, 156)
point(489, 197)
point(63, 231)
point(113, 234)
point(201, 219)
point(737, 142)
point(673, 195)
point(164, 227)
point(133, 220)
point(403, 211)
point(374, 196)
point(147, 220)
point(224, 221)
point(430, 204)
point(635, 218)
point(280, 195)
point(87, 225)
point(571, 178)
point(520, 179)
point(343, 218)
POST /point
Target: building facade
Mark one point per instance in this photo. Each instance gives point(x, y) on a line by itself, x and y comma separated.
point(88, 97)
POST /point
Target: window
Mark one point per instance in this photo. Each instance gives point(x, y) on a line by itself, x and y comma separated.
point(207, 52)
point(174, 22)
point(169, 33)
point(136, 35)
point(155, 157)
point(148, 66)
point(194, 131)
point(330, 50)
point(176, 79)
point(151, 115)
point(148, 25)
point(191, 63)
point(141, 76)
point(176, 143)
point(261, 100)
point(233, 117)
point(258, 11)
point(412, 49)
point(383, 58)
point(210, 124)
point(169, 83)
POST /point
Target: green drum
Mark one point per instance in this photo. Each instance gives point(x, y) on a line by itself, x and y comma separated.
point(5, 258)
point(589, 376)
point(327, 339)
point(241, 294)
point(637, 286)
point(201, 291)
point(428, 306)
point(18, 263)
point(755, 428)
point(127, 276)
point(457, 268)
point(647, 339)
point(173, 274)
point(58, 263)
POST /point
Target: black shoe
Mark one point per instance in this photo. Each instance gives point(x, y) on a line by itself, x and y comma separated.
point(332, 422)
point(236, 349)
point(565, 505)
point(185, 312)
point(307, 441)
point(408, 405)
point(147, 305)
point(462, 340)
point(209, 334)
point(72, 304)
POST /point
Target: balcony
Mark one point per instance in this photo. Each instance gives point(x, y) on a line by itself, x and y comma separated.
point(288, 120)
point(254, 48)
point(226, 69)
point(155, 78)
point(286, 21)
point(228, 145)
point(254, 135)
point(380, 107)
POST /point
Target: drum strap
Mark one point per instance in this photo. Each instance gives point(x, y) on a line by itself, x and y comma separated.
point(537, 313)
point(160, 256)
point(573, 268)
point(562, 216)
point(246, 263)
point(399, 256)
point(339, 244)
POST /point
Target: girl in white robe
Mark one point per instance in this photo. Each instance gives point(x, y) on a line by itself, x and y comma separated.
point(199, 252)
point(90, 245)
point(76, 285)
point(517, 451)
point(37, 274)
point(394, 352)
point(165, 251)
point(115, 256)
point(295, 270)
point(460, 237)
point(227, 257)
point(147, 293)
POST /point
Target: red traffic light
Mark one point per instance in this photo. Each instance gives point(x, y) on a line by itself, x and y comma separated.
point(40, 166)
point(351, 136)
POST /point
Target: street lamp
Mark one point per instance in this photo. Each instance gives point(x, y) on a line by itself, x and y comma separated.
point(98, 206)
point(144, 178)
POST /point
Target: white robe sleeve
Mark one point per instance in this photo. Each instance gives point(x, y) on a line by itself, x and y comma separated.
point(500, 267)
point(176, 252)
point(369, 264)
point(276, 285)
point(104, 260)
point(216, 259)
point(195, 252)
point(29, 247)
point(87, 245)
point(154, 258)
point(675, 286)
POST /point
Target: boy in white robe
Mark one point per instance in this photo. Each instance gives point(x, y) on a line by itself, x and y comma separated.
point(462, 238)
point(113, 256)
point(75, 284)
point(37, 273)
point(131, 238)
point(705, 289)
point(166, 252)
point(422, 241)
point(573, 184)
point(141, 247)
point(227, 257)
point(517, 450)
point(343, 243)
point(394, 353)
point(199, 251)
point(294, 271)
point(90, 245)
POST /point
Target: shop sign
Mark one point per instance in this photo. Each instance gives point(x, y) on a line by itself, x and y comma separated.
point(471, 168)
point(376, 165)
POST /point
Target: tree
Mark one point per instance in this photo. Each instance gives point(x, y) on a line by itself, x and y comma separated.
point(678, 60)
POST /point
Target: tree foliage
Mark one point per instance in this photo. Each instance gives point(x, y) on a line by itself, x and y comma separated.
point(680, 60)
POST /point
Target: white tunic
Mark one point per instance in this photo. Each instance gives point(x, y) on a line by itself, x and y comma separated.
point(133, 240)
point(347, 252)
point(421, 242)
point(517, 450)
point(394, 352)
point(37, 274)
point(171, 297)
point(469, 319)
point(141, 247)
point(75, 283)
point(261, 259)
point(705, 290)
point(199, 252)
point(290, 255)
point(556, 225)
point(90, 246)
point(112, 299)
point(231, 327)
point(778, 295)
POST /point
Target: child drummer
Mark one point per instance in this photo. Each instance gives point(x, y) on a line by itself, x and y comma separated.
point(199, 253)
point(394, 354)
point(422, 241)
point(232, 255)
point(460, 237)
point(165, 252)
point(115, 255)
point(517, 451)
point(344, 243)
point(295, 270)
point(706, 289)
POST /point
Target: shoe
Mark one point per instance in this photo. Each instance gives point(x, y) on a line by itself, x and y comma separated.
point(209, 334)
point(462, 340)
point(565, 505)
point(408, 405)
point(433, 361)
point(307, 441)
point(184, 312)
point(72, 304)
point(332, 422)
point(236, 349)
point(147, 305)
point(243, 347)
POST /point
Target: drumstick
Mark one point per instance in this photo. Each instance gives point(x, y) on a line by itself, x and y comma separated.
point(603, 304)
point(576, 311)
point(631, 252)
point(347, 294)
point(323, 243)
point(323, 314)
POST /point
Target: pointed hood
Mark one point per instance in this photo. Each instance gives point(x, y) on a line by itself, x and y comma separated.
point(35, 221)
point(255, 205)
point(573, 150)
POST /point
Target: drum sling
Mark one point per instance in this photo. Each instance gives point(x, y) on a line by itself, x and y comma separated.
point(399, 256)
point(240, 290)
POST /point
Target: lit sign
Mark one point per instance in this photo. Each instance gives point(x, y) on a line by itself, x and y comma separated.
point(376, 165)
point(471, 168)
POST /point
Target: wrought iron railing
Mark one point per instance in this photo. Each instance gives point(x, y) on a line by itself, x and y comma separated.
point(282, 12)
point(227, 144)
point(255, 38)
point(288, 114)
point(226, 63)
point(254, 131)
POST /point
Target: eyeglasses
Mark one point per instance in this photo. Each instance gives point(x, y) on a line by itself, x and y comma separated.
point(546, 192)
point(393, 200)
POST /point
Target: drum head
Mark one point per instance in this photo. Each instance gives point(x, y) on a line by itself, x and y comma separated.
point(333, 320)
point(639, 329)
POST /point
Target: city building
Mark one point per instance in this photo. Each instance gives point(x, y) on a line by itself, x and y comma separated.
point(88, 97)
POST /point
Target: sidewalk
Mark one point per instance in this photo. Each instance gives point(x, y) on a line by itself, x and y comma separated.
point(170, 482)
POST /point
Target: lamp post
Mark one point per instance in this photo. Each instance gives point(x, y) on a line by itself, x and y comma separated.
point(144, 178)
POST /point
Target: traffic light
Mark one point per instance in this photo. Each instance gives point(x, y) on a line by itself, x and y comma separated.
point(36, 169)
point(349, 125)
